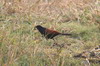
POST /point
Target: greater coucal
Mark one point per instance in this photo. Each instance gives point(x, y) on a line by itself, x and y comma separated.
point(48, 33)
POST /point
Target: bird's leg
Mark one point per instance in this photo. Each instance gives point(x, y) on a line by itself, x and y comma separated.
point(54, 42)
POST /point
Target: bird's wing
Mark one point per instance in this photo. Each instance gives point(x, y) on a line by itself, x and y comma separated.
point(51, 31)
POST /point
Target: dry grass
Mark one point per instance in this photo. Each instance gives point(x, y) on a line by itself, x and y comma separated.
point(21, 45)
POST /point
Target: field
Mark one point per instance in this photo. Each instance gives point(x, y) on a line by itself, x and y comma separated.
point(22, 45)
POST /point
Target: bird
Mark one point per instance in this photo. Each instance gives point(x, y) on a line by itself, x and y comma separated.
point(49, 33)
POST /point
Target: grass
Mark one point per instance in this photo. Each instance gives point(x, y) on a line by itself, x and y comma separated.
point(21, 45)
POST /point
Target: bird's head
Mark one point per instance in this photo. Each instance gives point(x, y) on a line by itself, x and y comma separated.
point(38, 26)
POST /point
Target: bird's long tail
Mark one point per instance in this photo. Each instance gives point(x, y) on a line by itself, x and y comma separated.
point(66, 34)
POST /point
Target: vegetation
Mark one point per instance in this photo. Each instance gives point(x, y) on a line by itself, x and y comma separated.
point(21, 45)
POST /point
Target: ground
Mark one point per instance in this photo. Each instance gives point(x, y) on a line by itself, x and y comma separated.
point(21, 45)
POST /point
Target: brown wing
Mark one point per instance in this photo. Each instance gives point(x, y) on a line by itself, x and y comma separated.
point(49, 31)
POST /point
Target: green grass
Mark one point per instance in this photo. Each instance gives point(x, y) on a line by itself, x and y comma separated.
point(21, 45)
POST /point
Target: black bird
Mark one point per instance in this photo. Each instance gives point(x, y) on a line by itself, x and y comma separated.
point(48, 33)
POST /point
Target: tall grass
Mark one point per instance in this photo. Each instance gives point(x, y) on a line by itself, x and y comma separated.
point(21, 45)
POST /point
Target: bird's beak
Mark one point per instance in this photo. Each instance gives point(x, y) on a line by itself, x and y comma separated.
point(34, 28)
